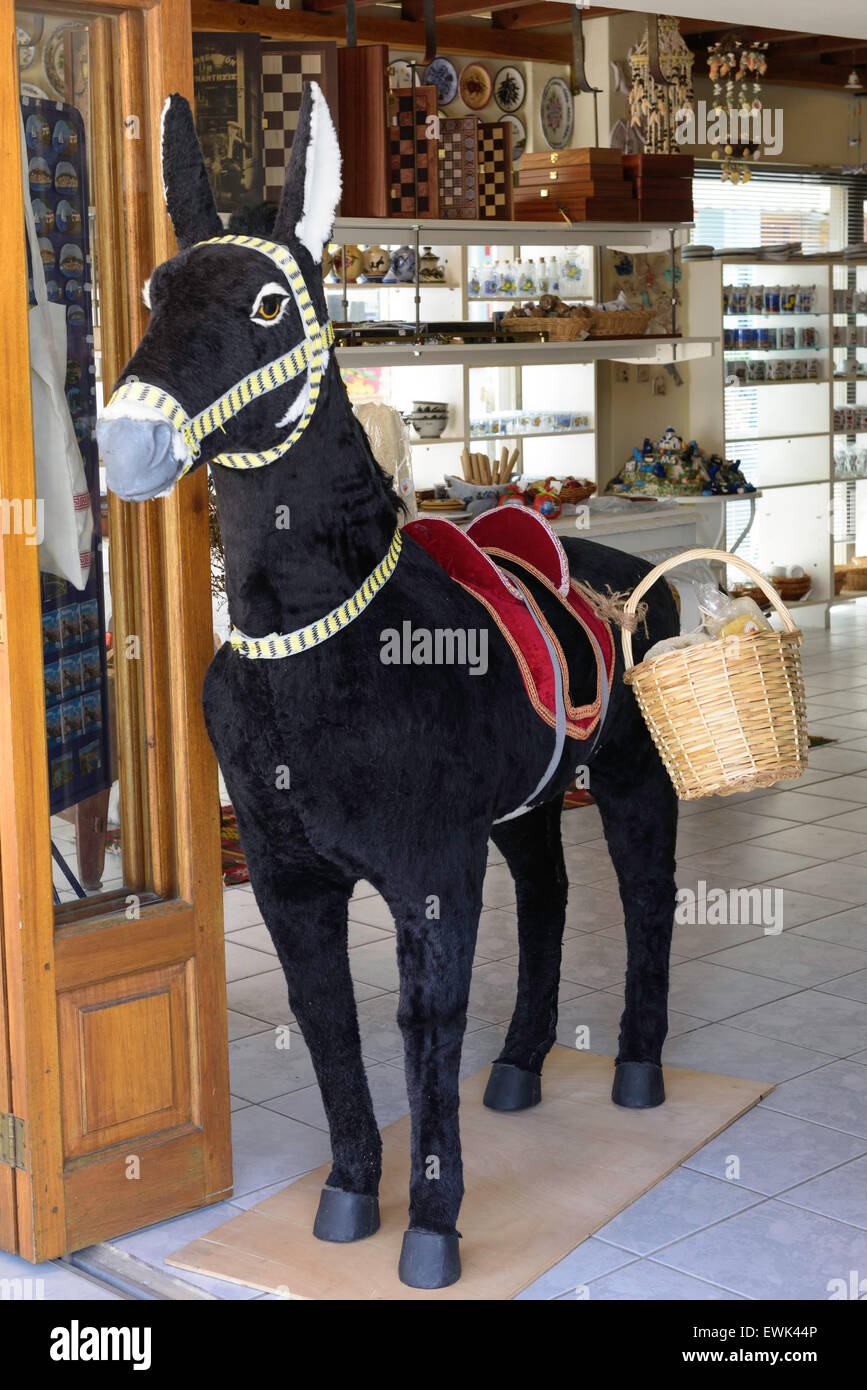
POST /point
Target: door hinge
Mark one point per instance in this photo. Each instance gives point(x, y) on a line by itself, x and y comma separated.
point(13, 1145)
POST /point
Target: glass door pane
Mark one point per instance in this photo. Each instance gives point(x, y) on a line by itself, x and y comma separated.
point(93, 653)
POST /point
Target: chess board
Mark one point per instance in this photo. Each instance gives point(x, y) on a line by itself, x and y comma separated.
point(412, 154)
point(495, 170)
point(459, 167)
point(285, 68)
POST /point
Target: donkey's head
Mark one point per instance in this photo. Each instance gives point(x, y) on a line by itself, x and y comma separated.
point(230, 366)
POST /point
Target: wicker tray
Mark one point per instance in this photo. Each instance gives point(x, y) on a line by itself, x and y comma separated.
point(553, 329)
point(726, 715)
point(622, 323)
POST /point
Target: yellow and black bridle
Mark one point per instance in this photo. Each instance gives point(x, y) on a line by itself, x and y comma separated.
point(309, 356)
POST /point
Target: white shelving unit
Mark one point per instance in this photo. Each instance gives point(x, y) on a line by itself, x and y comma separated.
point(488, 378)
point(782, 431)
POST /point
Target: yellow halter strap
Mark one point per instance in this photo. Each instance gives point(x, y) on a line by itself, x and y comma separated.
point(278, 644)
point(307, 356)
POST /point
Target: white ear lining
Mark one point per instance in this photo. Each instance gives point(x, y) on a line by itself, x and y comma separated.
point(166, 104)
point(322, 179)
point(146, 293)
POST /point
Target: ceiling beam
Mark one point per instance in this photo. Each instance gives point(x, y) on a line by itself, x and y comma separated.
point(453, 9)
point(465, 40)
point(537, 16)
point(821, 43)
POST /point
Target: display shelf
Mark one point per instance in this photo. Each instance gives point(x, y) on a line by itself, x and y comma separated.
point(495, 354)
point(785, 442)
point(524, 298)
point(337, 286)
point(644, 236)
point(529, 434)
point(805, 381)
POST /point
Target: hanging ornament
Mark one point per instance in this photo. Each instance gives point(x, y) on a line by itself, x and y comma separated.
point(740, 62)
point(655, 108)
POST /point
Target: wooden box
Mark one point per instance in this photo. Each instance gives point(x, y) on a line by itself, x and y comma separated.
point(362, 129)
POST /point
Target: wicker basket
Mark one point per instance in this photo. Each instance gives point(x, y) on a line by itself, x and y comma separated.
point(555, 330)
point(856, 580)
point(790, 590)
point(575, 495)
point(619, 323)
point(726, 715)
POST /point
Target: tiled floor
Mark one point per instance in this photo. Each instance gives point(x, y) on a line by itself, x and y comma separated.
point(774, 1207)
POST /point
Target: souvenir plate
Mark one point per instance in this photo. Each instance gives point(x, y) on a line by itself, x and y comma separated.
point(519, 137)
point(443, 75)
point(476, 86)
point(556, 112)
point(509, 89)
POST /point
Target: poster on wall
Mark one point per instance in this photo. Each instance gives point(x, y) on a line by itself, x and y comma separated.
point(74, 645)
point(227, 78)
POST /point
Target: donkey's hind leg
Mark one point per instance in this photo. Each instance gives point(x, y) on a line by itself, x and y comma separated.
point(639, 815)
point(533, 851)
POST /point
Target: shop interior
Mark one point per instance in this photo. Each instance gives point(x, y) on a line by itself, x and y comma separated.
point(619, 278)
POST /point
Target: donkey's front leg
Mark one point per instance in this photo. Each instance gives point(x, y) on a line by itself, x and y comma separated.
point(307, 918)
point(436, 936)
point(639, 815)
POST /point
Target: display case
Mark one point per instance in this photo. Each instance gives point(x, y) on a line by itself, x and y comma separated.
point(788, 399)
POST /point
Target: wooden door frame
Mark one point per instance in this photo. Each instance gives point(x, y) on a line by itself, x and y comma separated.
point(167, 543)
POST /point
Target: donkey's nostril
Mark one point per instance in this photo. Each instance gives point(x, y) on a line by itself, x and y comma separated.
point(138, 456)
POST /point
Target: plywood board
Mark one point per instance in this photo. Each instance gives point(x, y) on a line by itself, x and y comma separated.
point(537, 1183)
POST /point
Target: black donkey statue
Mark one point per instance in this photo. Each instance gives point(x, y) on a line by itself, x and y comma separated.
point(357, 738)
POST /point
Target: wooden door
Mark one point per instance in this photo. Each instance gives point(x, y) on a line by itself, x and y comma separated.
point(113, 1049)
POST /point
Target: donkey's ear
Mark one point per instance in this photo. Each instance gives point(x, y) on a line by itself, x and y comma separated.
point(189, 200)
point(312, 188)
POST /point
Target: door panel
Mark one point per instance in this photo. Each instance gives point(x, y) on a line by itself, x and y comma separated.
point(113, 1012)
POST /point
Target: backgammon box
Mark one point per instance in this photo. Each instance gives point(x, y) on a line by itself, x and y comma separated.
point(412, 152)
point(495, 171)
point(459, 168)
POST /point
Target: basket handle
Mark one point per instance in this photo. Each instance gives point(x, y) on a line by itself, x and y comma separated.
point(672, 562)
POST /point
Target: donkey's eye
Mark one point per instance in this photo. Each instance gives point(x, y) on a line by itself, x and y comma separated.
point(269, 304)
point(270, 307)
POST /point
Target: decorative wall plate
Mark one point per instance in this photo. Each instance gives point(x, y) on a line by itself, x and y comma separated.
point(519, 137)
point(476, 86)
point(400, 74)
point(557, 113)
point(443, 75)
point(509, 89)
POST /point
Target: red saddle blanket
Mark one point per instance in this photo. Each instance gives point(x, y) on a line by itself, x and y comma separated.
point(521, 536)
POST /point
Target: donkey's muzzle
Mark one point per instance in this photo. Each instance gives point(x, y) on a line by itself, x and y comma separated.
point(139, 459)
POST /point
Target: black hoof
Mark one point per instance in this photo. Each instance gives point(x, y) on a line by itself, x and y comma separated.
point(429, 1260)
point(512, 1088)
point(345, 1216)
point(638, 1085)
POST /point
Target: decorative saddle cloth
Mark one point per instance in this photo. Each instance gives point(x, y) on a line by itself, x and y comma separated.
point(523, 538)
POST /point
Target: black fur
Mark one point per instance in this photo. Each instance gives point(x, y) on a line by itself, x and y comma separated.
point(396, 773)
